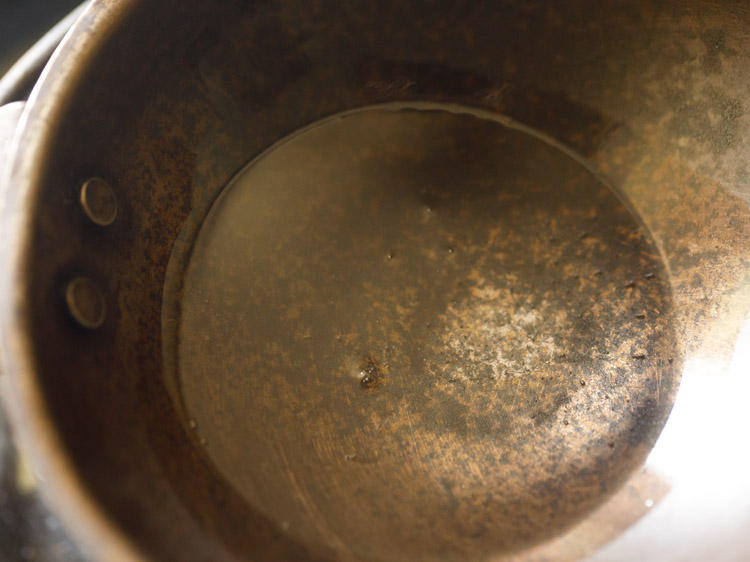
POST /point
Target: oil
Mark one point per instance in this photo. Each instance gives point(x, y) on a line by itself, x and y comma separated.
point(423, 282)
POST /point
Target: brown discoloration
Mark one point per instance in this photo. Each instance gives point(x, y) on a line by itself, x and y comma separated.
point(371, 373)
point(651, 93)
point(583, 128)
point(451, 269)
point(636, 498)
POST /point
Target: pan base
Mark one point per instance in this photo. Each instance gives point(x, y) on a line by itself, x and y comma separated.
point(423, 333)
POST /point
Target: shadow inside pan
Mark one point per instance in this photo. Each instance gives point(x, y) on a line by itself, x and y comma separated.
point(421, 333)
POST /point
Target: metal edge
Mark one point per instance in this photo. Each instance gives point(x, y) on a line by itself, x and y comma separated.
point(59, 482)
point(19, 80)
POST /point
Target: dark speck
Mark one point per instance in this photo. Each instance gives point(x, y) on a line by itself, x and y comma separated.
point(371, 373)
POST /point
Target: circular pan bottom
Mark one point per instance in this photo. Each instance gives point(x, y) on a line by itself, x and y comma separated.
point(422, 333)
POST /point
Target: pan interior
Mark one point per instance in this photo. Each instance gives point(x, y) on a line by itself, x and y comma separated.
point(422, 333)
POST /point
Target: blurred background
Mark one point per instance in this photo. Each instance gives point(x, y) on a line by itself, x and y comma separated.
point(22, 22)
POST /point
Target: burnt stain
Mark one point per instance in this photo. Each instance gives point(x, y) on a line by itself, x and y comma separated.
point(261, 79)
point(715, 42)
point(453, 504)
point(383, 78)
point(371, 373)
point(711, 119)
point(279, 66)
point(641, 430)
point(548, 413)
point(450, 415)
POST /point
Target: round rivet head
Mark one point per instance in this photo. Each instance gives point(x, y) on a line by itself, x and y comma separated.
point(98, 201)
point(85, 303)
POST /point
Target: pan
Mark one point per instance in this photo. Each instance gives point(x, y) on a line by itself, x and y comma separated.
point(379, 281)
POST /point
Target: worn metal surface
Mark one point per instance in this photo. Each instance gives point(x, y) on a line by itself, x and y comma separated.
point(486, 353)
point(85, 303)
point(651, 95)
point(98, 201)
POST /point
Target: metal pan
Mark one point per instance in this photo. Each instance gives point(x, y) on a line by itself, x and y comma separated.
point(381, 282)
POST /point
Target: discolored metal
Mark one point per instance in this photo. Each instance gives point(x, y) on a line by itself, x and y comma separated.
point(98, 201)
point(634, 113)
point(85, 303)
point(482, 358)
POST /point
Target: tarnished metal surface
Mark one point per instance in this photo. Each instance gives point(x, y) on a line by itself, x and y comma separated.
point(652, 96)
point(403, 338)
point(98, 201)
point(85, 303)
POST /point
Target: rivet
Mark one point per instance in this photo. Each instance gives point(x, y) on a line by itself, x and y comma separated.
point(85, 303)
point(98, 201)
